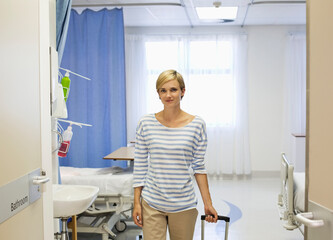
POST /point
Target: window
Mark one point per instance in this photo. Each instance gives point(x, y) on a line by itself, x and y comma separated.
point(206, 66)
point(215, 73)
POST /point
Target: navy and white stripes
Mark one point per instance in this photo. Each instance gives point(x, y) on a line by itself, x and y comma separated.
point(164, 161)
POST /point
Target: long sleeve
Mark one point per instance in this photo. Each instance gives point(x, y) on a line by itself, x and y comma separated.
point(200, 145)
point(140, 157)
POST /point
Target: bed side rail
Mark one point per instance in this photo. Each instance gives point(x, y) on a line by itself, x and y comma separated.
point(286, 200)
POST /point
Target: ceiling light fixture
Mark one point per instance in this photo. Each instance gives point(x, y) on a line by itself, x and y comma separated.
point(217, 12)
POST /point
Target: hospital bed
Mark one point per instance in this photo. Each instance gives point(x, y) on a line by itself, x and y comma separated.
point(291, 200)
point(113, 205)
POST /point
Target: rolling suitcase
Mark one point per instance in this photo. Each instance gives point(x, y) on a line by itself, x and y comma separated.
point(226, 219)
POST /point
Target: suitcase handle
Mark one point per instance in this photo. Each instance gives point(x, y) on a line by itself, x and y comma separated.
point(219, 217)
point(224, 218)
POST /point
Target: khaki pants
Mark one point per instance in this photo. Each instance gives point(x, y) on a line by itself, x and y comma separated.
point(180, 224)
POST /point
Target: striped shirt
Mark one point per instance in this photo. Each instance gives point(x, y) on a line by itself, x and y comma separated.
point(165, 159)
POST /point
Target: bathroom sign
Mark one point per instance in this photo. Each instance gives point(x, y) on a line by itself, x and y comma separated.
point(17, 195)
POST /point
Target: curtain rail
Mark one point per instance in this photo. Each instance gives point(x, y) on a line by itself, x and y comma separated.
point(277, 2)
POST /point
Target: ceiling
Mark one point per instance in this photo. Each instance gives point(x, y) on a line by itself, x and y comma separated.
point(158, 13)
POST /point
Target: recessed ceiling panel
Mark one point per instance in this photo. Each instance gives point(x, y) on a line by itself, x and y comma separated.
point(276, 14)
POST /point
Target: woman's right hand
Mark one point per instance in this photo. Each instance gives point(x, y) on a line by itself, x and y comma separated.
point(137, 214)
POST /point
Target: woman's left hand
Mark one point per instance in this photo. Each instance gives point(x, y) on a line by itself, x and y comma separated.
point(210, 212)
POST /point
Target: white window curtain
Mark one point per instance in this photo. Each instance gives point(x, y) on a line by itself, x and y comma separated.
point(295, 89)
point(214, 68)
point(136, 82)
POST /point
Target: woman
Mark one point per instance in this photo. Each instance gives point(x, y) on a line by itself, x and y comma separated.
point(169, 146)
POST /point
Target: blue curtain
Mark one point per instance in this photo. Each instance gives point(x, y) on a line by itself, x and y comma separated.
point(63, 10)
point(95, 49)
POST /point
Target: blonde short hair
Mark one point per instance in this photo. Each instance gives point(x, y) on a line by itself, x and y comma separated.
point(168, 76)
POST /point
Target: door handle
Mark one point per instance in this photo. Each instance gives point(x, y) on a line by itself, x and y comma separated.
point(40, 180)
point(306, 219)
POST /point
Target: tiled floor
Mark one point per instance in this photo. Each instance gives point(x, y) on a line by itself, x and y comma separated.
point(251, 205)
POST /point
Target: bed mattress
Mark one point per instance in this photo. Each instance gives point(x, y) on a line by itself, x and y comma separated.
point(111, 180)
point(299, 191)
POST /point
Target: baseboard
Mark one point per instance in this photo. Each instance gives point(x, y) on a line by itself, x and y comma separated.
point(319, 212)
point(254, 174)
point(266, 174)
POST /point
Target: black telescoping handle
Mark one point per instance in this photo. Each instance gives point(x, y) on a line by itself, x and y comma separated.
point(224, 218)
point(219, 217)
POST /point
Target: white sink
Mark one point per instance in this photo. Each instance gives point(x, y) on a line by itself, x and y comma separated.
point(69, 200)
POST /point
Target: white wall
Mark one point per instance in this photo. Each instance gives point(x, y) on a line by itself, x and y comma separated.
point(266, 72)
